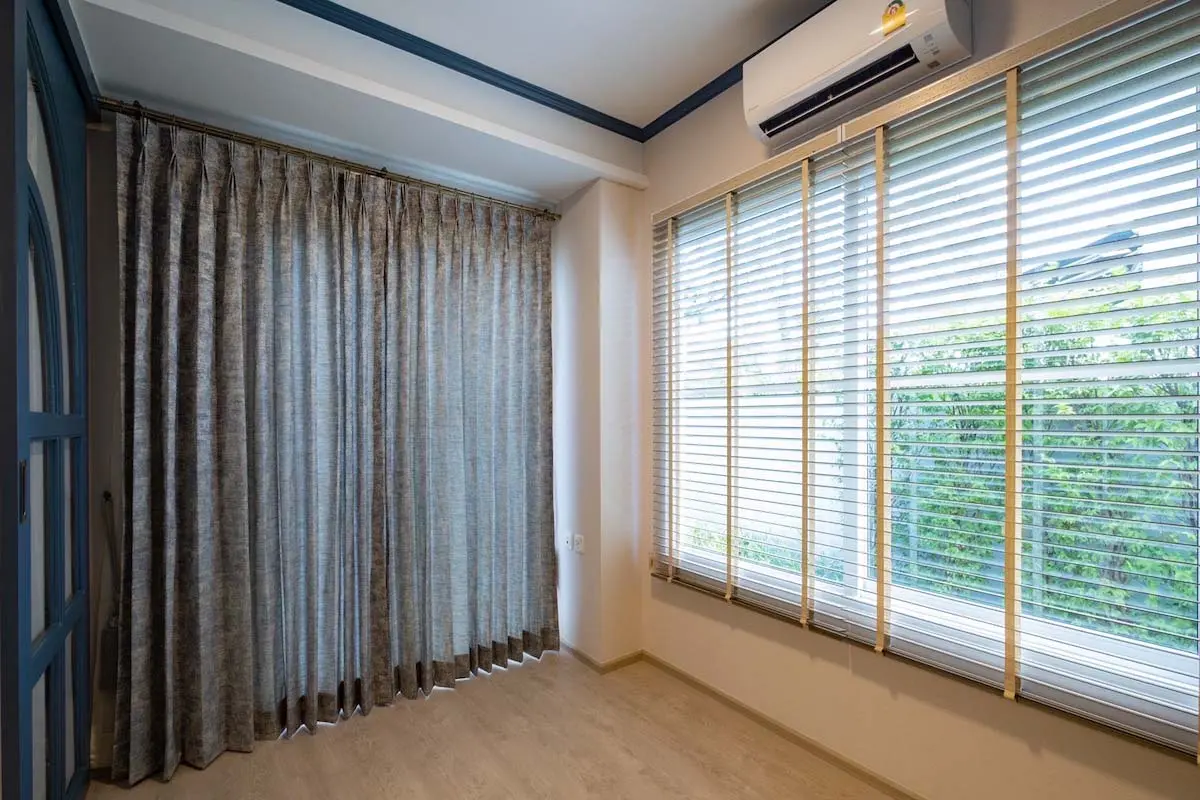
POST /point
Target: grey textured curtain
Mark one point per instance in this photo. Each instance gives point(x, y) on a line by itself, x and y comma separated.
point(337, 397)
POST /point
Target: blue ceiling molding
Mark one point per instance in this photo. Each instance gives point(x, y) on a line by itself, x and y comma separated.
point(402, 40)
point(63, 20)
point(726, 80)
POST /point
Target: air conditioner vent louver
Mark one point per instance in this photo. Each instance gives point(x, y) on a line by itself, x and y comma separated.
point(893, 63)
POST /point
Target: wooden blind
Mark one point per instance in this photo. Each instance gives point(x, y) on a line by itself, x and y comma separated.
point(938, 388)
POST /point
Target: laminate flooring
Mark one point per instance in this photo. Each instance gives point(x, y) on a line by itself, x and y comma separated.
point(545, 729)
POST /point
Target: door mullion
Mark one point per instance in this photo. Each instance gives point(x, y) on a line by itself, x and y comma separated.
point(16, 687)
point(56, 722)
point(55, 549)
point(53, 638)
point(55, 531)
point(44, 425)
point(81, 672)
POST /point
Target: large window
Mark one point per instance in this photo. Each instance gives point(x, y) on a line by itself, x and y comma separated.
point(938, 388)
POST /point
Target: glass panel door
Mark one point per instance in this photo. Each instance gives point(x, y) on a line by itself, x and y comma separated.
point(43, 557)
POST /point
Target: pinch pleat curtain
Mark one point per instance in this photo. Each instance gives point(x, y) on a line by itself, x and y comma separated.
point(338, 476)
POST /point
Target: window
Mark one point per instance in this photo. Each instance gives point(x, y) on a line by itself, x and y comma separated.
point(938, 388)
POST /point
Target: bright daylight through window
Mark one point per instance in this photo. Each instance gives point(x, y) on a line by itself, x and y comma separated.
point(938, 388)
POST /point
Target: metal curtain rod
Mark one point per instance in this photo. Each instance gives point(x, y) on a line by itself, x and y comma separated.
point(140, 111)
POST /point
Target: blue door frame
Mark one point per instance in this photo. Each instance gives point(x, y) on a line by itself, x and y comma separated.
point(41, 44)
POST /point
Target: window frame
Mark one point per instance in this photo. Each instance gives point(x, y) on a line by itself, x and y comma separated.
point(1126, 659)
point(1128, 666)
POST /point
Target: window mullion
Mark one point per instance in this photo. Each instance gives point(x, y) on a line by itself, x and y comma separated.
point(881, 489)
point(1012, 424)
point(729, 482)
point(805, 429)
point(672, 437)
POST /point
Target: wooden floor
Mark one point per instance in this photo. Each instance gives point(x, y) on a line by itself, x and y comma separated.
point(552, 729)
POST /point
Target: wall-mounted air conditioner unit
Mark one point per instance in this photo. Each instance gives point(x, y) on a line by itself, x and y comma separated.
point(849, 54)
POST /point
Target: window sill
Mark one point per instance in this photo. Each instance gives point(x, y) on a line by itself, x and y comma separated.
point(1144, 689)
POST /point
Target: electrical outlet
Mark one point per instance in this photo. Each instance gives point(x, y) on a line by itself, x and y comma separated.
point(578, 543)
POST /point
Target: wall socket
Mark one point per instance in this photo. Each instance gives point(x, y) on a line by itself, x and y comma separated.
point(578, 543)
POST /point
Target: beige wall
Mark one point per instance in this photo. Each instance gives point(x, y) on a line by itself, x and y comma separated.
point(576, 336)
point(937, 737)
point(623, 363)
point(599, 362)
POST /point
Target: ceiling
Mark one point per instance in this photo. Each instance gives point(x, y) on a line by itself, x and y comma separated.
point(632, 59)
point(264, 67)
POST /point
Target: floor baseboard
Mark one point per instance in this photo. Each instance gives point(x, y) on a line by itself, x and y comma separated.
point(603, 667)
point(858, 770)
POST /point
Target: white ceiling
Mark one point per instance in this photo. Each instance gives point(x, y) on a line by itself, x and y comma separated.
point(633, 59)
point(263, 67)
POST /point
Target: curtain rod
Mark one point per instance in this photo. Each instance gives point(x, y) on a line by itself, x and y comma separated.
point(138, 110)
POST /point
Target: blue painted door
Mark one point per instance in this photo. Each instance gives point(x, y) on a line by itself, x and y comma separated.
point(45, 698)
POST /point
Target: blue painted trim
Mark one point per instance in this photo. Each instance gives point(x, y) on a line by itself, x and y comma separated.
point(81, 646)
point(71, 41)
point(16, 736)
point(46, 291)
point(56, 684)
point(82, 666)
point(32, 42)
point(72, 225)
point(55, 426)
point(402, 40)
point(50, 643)
point(726, 80)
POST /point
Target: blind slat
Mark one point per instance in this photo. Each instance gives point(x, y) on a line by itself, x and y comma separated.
point(938, 388)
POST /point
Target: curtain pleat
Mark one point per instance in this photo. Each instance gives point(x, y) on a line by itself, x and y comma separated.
point(338, 461)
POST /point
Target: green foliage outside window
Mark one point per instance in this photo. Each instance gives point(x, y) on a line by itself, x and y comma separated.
point(1110, 474)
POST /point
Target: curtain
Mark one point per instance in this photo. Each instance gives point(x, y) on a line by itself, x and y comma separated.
point(337, 396)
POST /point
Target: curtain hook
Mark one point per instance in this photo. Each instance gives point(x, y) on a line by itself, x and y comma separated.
point(173, 138)
point(231, 154)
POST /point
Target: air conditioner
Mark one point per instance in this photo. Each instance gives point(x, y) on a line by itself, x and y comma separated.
point(849, 54)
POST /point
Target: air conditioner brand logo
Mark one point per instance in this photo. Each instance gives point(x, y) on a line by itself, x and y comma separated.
point(895, 17)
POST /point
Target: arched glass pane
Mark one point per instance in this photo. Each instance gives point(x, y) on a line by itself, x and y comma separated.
point(41, 164)
point(37, 373)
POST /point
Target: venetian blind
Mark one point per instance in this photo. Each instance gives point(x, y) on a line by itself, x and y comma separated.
point(1108, 345)
point(945, 273)
point(938, 388)
point(767, 390)
point(693, 308)
point(841, 389)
